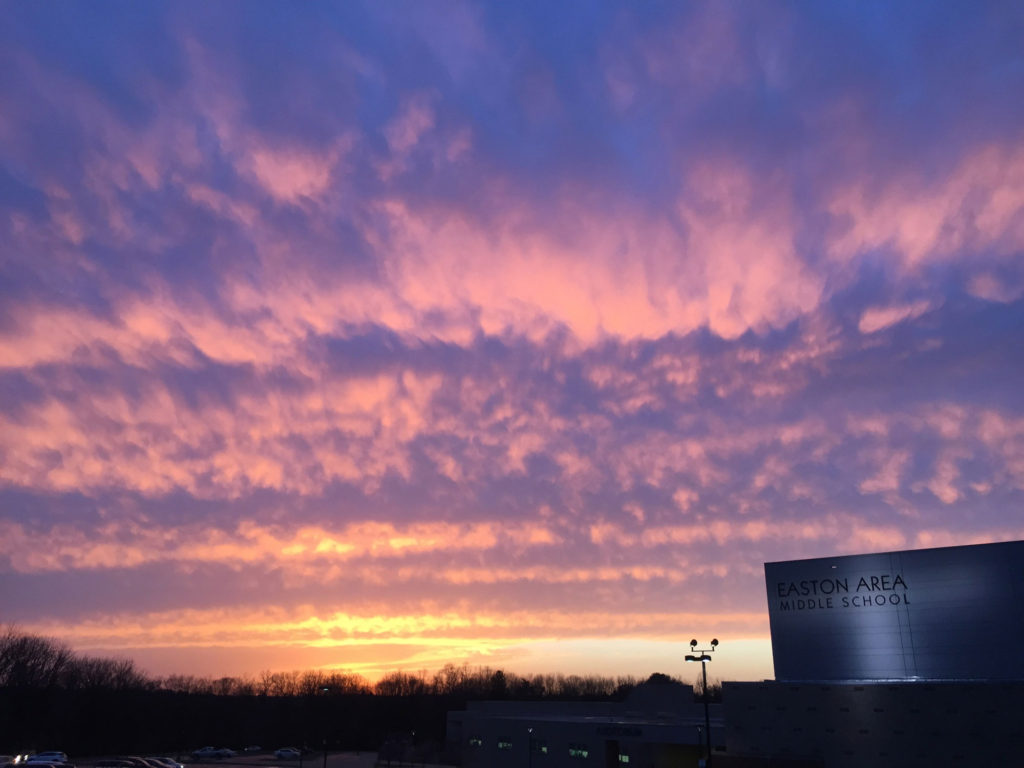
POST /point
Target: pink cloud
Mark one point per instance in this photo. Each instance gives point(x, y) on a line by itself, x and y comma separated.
point(877, 318)
point(985, 285)
point(979, 206)
point(888, 479)
point(734, 269)
point(291, 175)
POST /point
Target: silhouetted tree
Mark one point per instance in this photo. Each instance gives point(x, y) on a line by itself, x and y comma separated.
point(30, 661)
point(400, 684)
point(714, 689)
point(499, 685)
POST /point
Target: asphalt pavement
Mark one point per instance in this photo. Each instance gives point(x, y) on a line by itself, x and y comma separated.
point(315, 760)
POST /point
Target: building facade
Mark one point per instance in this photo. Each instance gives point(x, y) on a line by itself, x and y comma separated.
point(660, 725)
point(898, 659)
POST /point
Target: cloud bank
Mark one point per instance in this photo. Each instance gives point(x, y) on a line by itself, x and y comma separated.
point(388, 336)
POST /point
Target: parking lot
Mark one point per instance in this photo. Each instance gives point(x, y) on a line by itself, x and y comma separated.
point(316, 760)
point(267, 760)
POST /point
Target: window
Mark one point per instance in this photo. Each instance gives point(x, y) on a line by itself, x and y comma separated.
point(623, 758)
point(504, 743)
point(476, 741)
point(579, 751)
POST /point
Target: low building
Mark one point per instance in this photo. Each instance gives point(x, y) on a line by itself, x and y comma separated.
point(660, 725)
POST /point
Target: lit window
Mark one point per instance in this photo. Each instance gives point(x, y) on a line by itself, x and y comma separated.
point(579, 751)
point(476, 741)
point(623, 758)
point(505, 743)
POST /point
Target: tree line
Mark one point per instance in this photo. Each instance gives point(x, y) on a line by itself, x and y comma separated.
point(32, 661)
point(54, 698)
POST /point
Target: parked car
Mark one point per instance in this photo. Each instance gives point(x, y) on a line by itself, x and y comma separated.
point(287, 753)
point(169, 762)
point(48, 757)
point(253, 748)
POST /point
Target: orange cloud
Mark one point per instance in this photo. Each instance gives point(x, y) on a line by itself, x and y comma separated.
point(446, 636)
point(129, 544)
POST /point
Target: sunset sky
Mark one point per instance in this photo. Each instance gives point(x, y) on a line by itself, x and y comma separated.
point(375, 336)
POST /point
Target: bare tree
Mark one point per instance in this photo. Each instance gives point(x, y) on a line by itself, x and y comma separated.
point(340, 683)
point(400, 684)
point(311, 682)
point(714, 689)
point(31, 661)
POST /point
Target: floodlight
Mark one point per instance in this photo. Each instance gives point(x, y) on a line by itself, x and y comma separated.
point(704, 658)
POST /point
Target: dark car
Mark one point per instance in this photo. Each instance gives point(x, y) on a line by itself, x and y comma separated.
point(134, 761)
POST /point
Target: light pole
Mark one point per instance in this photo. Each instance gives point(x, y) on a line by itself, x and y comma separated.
point(703, 658)
point(529, 747)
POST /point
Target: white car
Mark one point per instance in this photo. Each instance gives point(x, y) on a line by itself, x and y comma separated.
point(287, 753)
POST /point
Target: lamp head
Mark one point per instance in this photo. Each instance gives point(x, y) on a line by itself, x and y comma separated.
point(714, 642)
point(693, 643)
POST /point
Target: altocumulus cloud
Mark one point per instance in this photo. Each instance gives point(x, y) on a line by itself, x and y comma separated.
point(392, 335)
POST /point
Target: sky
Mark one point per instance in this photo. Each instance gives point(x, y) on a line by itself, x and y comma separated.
point(378, 336)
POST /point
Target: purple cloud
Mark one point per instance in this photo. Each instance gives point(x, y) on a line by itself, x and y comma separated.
point(375, 329)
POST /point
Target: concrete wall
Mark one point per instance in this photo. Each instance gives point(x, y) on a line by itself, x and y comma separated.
point(885, 725)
